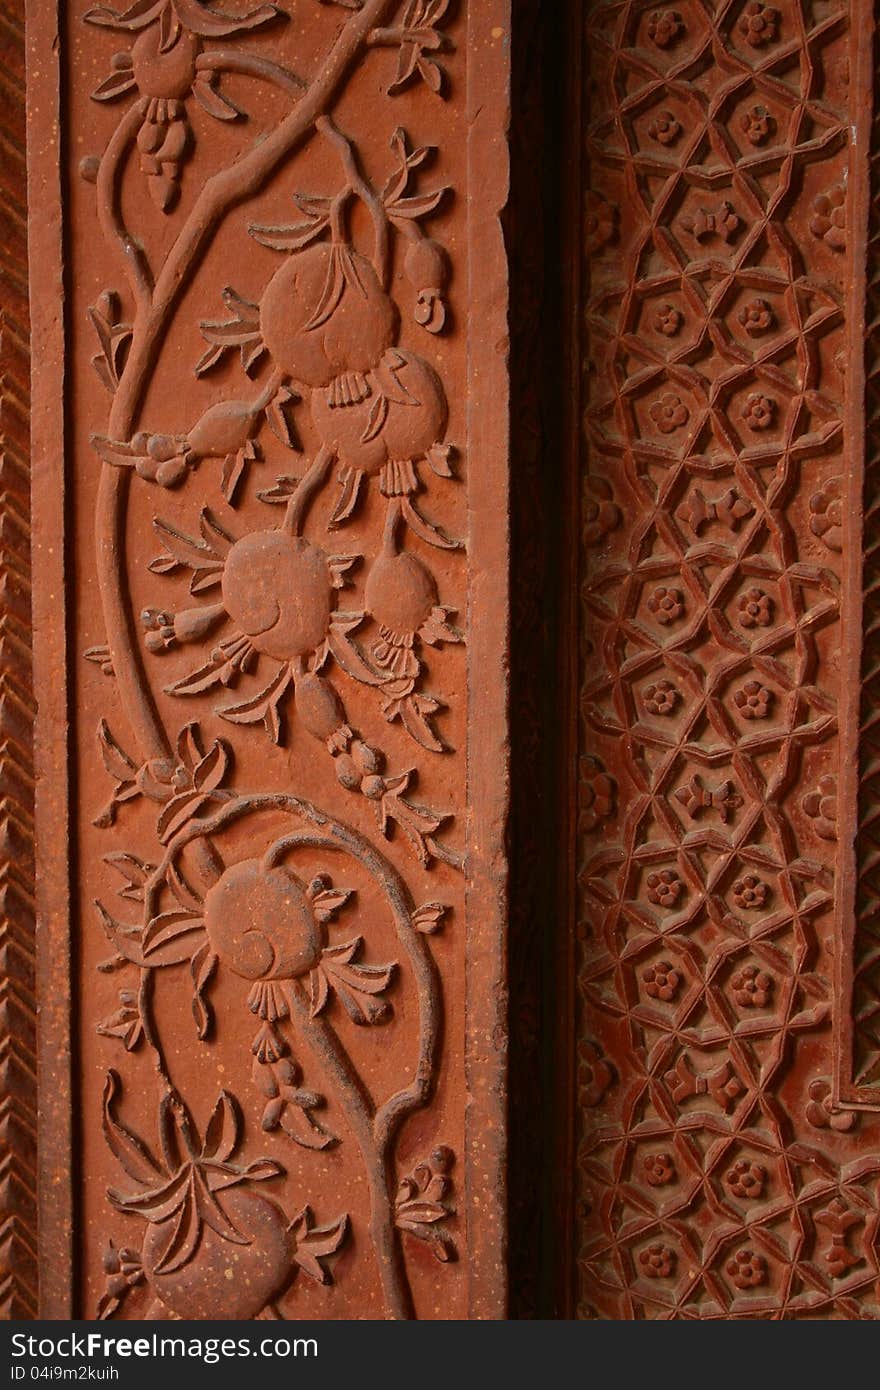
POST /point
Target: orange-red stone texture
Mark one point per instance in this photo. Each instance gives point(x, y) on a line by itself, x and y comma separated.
point(726, 954)
point(270, 483)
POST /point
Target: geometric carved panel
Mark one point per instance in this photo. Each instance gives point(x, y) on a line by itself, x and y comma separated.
point(270, 463)
point(727, 959)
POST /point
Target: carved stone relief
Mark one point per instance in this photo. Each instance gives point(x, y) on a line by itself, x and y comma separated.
point(272, 382)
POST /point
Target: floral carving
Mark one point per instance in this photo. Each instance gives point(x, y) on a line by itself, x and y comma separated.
point(668, 320)
point(750, 893)
point(747, 1269)
point(664, 128)
point(821, 1112)
point(657, 1261)
point(667, 605)
point(759, 411)
point(752, 987)
point(595, 1073)
point(601, 513)
point(759, 23)
point(664, 887)
point(664, 27)
point(826, 520)
point(669, 413)
point(754, 700)
point(820, 805)
point(661, 697)
point(757, 124)
point(659, 1169)
point(829, 218)
point(755, 609)
point(662, 981)
point(600, 222)
point(756, 317)
point(746, 1179)
point(597, 793)
point(705, 224)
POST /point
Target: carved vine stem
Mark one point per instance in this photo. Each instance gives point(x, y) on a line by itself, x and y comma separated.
point(374, 1127)
point(221, 192)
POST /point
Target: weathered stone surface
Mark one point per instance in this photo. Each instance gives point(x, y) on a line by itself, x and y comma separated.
point(270, 466)
point(726, 1071)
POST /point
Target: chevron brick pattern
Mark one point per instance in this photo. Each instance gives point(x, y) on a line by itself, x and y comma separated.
point(18, 1082)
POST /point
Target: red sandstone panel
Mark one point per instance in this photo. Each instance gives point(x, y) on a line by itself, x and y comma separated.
point(726, 965)
point(270, 482)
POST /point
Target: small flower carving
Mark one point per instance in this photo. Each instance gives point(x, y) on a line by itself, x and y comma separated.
point(600, 222)
point(662, 981)
point(755, 609)
point(826, 520)
point(746, 1179)
point(659, 1169)
point(669, 413)
point(601, 512)
point(752, 988)
point(821, 807)
point(759, 24)
point(597, 791)
point(657, 1262)
point(661, 697)
point(667, 605)
point(595, 1073)
point(664, 888)
point(829, 218)
point(702, 224)
point(665, 128)
point(664, 27)
point(820, 1111)
point(757, 124)
point(756, 317)
point(747, 1269)
point(668, 320)
point(759, 411)
point(754, 700)
point(750, 893)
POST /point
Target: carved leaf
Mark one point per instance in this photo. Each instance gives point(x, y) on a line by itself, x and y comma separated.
point(313, 1244)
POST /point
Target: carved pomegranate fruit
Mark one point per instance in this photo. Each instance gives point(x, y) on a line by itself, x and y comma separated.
point(224, 1279)
point(415, 417)
point(278, 589)
point(261, 923)
point(400, 592)
point(168, 74)
point(312, 339)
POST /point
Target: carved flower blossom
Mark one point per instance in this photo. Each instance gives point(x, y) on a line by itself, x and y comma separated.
point(600, 222)
point(826, 520)
point(595, 1073)
point(657, 1261)
point(165, 65)
point(820, 1110)
point(669, 413)
point(665, 128)
point(756, 317)
point(668, 320)
point(746, 1179)
point(667, 605)
point(759, 24)
point(750, 892)
point(755, 609)
point(662, 981)
point(601, 513)
point(661, 697)
point(664, 888)
point(829, 219)
point(752, 988)
point(759, 411)
point(757, 124)
point(596, 793)
point(754, 700)
point(659, 1169)
point(702, 224)
point(664, 27)
point(747, 1269)
point(821, 806)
